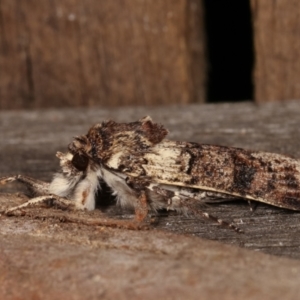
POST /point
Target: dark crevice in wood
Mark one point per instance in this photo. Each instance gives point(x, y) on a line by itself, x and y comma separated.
point(230, 50)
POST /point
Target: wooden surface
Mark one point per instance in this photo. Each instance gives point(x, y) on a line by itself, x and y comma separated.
point(173, 259)
point(276, 39)
point(76, 53)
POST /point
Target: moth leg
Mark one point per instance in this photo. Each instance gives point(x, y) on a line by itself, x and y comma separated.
point(141, 205)
point(138, 223)
point(141, 209)
point(64, 203)
point(46, 199)
point(252, 205)
point(186, 204)
point(190, 204)
point(35, 186)
point(216, 220)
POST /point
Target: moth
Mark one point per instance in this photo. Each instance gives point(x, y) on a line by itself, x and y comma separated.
point(148, 172)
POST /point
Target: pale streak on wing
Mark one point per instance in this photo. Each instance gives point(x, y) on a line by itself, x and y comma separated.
point(114, 161)
point(264, 177)
point(169, 162)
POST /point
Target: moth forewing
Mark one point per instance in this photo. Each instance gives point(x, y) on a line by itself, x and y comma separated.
point(167, 162)
point(260, 176)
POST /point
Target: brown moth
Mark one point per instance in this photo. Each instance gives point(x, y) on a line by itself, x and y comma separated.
point(147, 172)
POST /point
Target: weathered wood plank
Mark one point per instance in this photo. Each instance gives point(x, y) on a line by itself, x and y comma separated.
point(276, 38)
point(108, 52)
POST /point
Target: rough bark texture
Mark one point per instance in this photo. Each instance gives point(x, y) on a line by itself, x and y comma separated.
point(100, 52)
point(50, 259)
point(277, 48)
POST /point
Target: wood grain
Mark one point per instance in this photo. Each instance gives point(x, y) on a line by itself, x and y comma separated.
point(100, 52)
point(276, 38)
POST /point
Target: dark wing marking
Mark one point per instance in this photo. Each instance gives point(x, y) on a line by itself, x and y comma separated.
point(264, 177)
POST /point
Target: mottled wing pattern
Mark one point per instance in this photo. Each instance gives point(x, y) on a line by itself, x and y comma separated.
point(260, 176)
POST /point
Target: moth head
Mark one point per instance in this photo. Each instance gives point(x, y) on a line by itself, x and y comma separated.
point(80, 162)
point(73, 164)
point(79, 149)
point(73, 170)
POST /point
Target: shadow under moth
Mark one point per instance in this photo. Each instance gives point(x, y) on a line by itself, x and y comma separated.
point(147, 172)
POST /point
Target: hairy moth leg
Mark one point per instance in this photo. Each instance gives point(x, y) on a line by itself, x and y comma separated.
point(138, 223)
point(141, 209)
point(35, 186)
